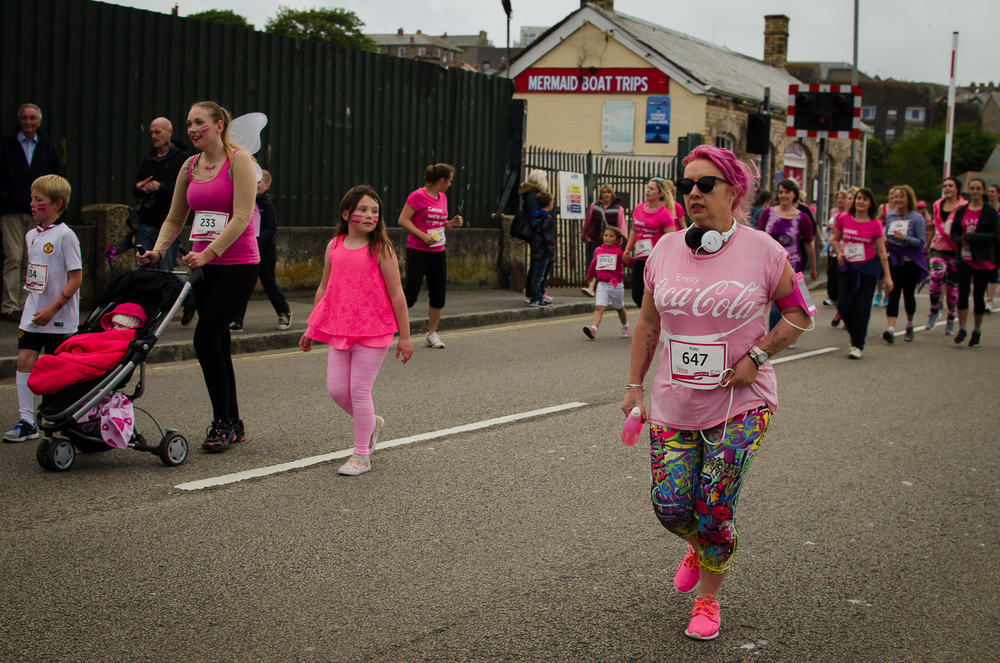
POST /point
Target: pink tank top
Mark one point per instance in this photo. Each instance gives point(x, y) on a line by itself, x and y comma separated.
point(216, 196)
point(355, 307)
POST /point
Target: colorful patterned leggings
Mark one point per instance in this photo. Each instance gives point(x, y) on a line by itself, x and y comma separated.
point(943, 275)
point(696, 484)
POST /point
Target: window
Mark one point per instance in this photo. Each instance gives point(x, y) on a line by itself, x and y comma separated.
point(423, 51)
point(892, 113)
point(486, 67)
point(915, 114)
point(724, 141)
point(402, 51)
point(890, 135)
point(867, 112)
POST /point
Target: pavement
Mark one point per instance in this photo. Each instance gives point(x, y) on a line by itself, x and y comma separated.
point(463, 309)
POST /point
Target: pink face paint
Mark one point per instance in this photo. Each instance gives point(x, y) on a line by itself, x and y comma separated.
point(40, 207)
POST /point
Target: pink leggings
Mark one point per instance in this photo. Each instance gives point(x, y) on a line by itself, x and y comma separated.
point(350, 376)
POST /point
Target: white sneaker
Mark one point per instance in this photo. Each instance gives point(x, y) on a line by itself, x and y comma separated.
point(434, 341)
point(626, 332)
point(546, 297)
point(855, 353)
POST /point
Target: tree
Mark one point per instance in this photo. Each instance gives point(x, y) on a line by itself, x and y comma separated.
point(223, 16)
point(338, 27)
point(917, 159)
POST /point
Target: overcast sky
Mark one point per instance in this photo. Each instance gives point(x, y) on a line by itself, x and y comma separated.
point(913, 45)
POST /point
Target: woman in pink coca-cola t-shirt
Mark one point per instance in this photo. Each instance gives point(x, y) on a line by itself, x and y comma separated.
point(714, 392)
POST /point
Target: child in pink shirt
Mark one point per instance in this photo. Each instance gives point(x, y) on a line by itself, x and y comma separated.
point(608, 267)
point(357, 314)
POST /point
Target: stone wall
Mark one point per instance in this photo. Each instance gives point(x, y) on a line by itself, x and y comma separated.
point(477, 257)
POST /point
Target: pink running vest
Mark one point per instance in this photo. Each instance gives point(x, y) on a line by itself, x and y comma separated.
point(216, 195)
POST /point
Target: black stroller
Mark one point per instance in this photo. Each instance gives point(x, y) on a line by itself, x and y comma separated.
point(160, 297)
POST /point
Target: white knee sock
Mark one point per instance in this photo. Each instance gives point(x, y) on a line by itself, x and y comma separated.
point(25, 399)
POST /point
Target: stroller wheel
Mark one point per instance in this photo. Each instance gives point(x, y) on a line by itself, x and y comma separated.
point(40, 453)
point(173, 449)
point(60, 454)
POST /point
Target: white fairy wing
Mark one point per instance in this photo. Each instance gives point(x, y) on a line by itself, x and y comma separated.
point(244, 131)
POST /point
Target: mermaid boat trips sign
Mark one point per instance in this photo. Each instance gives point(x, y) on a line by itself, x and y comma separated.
point(593, 81)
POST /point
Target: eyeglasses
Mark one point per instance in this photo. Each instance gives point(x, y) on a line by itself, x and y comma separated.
point(705, 184)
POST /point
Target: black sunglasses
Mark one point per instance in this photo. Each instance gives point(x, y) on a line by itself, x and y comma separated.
point(705, 184)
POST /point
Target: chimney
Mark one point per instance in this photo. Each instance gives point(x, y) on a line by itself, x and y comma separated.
point(418, 32)
point(776, 39)
point(603, 4)
point(400, 33)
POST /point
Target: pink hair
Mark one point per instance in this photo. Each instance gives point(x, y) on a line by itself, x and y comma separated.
point(737, 172)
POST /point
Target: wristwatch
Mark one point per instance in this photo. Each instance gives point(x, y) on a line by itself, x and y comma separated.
point(758, 356)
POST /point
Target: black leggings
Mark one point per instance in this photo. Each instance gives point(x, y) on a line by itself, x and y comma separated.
point(904, 283)
point(434, 265)
point(832, 278)
point(221, 295)
point(974, 280)
point(638, 281)
point(857, 311)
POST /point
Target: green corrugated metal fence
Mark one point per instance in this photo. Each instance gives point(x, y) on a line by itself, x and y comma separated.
point(337, 117)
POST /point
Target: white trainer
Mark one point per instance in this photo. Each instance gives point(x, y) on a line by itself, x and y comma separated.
point(434, 341)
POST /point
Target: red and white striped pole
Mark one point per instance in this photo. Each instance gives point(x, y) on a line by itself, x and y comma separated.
point(951, 107)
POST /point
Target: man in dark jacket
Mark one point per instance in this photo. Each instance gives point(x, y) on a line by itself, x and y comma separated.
point(25, 155)
point(155, 189)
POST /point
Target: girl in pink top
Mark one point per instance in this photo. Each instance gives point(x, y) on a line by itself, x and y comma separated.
point(714, 393)
point(220, 186)
point(357, 314)
point(607, 268)
point(942, 262)
point(425, 217)
point(859, 242)
point(651, 220)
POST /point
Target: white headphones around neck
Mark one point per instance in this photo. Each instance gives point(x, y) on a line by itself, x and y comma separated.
point(709, 241)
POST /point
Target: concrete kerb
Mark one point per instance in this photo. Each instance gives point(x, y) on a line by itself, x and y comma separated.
point(170, 351)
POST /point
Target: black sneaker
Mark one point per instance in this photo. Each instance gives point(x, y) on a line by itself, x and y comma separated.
point(836, 320)
point(235, 326)
point(889, 337)
point(218, 437)
point(188, 316)
point(974, 339)
point(285, 321)
point(960, 336)
point(239, 432)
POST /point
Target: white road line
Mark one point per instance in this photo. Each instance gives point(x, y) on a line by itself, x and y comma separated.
point(314, 460)
point(803, 355)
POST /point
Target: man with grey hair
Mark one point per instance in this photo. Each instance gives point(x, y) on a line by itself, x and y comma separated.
point(155, 189)
point(25, 155)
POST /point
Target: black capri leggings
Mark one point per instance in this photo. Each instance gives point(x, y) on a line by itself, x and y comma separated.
point(220, 296)
point(975, 280)
point(904, 283)
point(432, 264)
point(638, 281)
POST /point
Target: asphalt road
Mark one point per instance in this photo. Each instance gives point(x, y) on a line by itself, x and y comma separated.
point(868, 526)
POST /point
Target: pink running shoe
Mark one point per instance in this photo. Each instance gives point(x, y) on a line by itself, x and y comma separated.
point(688, 573)
point(705, 619)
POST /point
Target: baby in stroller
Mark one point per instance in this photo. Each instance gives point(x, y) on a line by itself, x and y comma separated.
point(88, 356)
point(80, 382)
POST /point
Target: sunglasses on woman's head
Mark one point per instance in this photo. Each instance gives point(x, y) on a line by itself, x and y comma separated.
point(705, 184)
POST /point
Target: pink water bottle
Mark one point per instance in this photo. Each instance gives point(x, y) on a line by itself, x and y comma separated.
point(633, 424)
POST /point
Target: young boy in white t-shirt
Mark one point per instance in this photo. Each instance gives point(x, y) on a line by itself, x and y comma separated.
point(52, 310)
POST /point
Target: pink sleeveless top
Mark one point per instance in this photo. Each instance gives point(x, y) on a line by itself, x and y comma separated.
point(355, 307)
point(216, 195)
